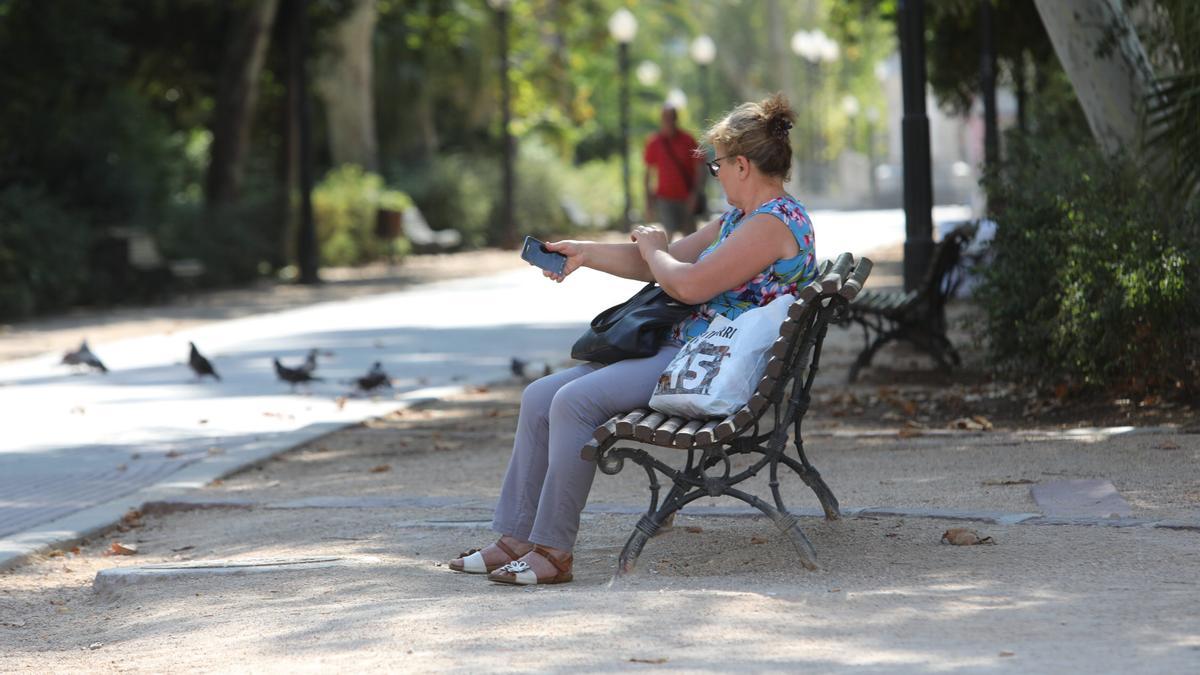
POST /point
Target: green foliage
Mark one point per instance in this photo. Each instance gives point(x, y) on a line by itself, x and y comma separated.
point(1173, 135)
point(345, 205)
point(453, 192)
point(43, 254)
point(1094, 278)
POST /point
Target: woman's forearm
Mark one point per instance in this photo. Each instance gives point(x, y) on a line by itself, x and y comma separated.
point(622, 260)
point(670, 274)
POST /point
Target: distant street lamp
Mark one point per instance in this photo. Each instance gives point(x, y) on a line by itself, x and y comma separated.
point(648, 73)
point(507, 214)
point(872, 122)
point(704, 50)
point(816, 48)
point(623, 27)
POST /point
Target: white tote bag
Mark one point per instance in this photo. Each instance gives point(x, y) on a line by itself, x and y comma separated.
point(715, 373)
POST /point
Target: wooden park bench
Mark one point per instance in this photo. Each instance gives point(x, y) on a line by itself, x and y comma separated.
point(917, 317)
point(759, 429)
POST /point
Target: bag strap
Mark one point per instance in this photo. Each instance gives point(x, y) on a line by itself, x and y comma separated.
point(678, 164)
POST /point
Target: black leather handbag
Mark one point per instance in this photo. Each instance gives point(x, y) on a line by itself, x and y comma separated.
point(633, 329)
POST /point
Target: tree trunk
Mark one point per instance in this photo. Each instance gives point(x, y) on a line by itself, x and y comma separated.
point(1111, 86)
point(345, 87)
point(236, 93)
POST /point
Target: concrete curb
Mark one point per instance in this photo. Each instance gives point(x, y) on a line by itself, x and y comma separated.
point(181, 485)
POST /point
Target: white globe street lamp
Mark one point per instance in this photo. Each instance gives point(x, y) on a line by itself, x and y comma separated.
point(704, 50)
point(648, 73)
point(623, 27)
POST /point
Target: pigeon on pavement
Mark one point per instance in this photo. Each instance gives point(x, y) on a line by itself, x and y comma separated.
point(524, 369)
point(200, 365)
point(83, 357)
point(310, 362)
point(517, 366)
point(294, 376)
point(375, 377)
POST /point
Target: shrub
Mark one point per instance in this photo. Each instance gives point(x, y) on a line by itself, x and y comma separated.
point(43, 253)
point(344, 208)
point(453, 192)
point(1094, 279)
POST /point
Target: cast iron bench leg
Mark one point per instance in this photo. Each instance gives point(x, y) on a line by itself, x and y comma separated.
point(787, 523)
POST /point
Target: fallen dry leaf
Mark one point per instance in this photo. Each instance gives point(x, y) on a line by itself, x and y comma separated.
point(653, 661)
point(908, 432)
point(56, 554)
point(216, 483)
point(961, 536)
point(118, 548)
point(693, 529)
point(757, 540)
point(96, 645)
point(1006, 654)
point(132, 518)
point(1167, 445)
point(172, 454)
point(214, 450)
point(1016, 481)
point(976, 423)
point(382, 468)
point(340, 402)
point(13, 624)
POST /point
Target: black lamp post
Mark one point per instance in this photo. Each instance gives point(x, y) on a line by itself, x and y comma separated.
point(704, 50)
point(508, 237)
point(987, 82)
point(623, 27)
point(918, 186)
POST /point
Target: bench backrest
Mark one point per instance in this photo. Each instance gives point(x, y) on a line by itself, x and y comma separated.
point(938, 281)
point(795, 354)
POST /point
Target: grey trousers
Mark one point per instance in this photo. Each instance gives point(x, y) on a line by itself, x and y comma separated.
point(673, 215)
point(547, 483)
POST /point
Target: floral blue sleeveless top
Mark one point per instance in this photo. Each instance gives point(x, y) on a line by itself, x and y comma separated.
point(782, 276)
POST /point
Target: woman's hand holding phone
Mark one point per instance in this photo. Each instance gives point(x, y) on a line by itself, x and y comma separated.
point(574, 252)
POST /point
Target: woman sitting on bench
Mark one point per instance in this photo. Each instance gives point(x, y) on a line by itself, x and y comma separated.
point(761, 248)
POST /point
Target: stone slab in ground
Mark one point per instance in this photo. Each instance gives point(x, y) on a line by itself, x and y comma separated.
point(116, 578)
point(1097, 498)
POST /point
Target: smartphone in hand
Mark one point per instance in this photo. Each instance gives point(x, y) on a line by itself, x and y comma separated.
point(535, 253)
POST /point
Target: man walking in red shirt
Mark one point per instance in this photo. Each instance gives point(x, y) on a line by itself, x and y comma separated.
point(671, 154)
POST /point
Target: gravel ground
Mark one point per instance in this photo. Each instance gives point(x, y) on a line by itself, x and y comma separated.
point(889, 599)
point(713, 594)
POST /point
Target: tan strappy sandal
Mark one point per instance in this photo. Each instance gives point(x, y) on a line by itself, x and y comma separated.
point(472, 560)
point(519, 573)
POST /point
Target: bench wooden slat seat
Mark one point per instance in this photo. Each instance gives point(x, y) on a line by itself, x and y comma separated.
point(917, 317)
point(760, 428)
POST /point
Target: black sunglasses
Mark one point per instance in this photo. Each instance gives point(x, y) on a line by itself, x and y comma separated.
point(715, 166)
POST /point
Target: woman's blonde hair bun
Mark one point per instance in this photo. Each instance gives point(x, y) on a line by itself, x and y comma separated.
point(759, 131)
